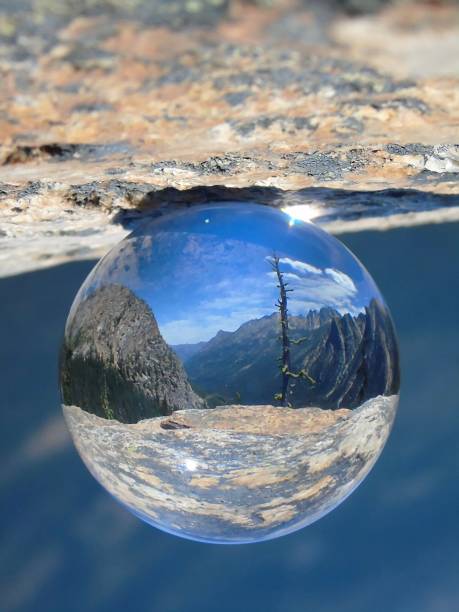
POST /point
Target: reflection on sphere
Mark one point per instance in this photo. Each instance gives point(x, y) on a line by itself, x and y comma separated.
point(229, 374)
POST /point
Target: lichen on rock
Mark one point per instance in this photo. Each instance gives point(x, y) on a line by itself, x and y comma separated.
point(105, 107)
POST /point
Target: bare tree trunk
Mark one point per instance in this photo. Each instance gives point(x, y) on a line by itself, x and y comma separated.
point(285, 357)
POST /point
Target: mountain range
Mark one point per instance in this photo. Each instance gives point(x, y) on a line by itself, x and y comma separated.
point(116, 364)
point(348, 359)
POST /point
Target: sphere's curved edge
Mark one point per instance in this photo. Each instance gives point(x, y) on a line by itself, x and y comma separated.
point(229, 374)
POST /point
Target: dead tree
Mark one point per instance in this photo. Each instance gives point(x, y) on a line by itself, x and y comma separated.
point(284, 360)
point(283, 311)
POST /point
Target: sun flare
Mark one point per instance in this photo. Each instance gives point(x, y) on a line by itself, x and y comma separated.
point(302, 212)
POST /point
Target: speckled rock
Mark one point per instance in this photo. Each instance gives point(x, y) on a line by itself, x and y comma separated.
point(234, 473)
point(108, 112)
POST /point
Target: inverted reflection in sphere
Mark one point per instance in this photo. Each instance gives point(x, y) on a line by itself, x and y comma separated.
point(228, 374)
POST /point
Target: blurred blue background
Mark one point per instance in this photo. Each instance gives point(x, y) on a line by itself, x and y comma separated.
point(393, 545)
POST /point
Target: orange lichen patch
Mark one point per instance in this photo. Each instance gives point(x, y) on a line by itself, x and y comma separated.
point(314, 490)
point(308, 492)
point(280, 514)
point(203, 482)
point(255, 478)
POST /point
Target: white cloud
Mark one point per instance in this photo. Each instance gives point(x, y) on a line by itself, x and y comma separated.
point(245, 298)
point(289, 276)
point(342, 279)
point(314, 288)
point(298, 266)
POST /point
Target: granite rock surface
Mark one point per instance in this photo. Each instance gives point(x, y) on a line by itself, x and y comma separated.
point(110, 111)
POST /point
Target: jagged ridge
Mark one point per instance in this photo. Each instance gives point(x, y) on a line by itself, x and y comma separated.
point(351, 359)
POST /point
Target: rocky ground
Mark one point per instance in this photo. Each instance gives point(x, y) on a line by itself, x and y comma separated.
point(109, 111)
point(234, 473)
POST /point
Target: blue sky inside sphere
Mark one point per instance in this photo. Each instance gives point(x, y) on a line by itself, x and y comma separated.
point(209, 268)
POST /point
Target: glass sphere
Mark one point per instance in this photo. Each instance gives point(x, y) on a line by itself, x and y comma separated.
point(228, 373)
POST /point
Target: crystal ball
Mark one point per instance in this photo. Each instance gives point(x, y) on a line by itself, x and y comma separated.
point(229, 373)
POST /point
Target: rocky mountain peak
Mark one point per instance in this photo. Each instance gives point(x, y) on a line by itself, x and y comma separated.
point(116, 364)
